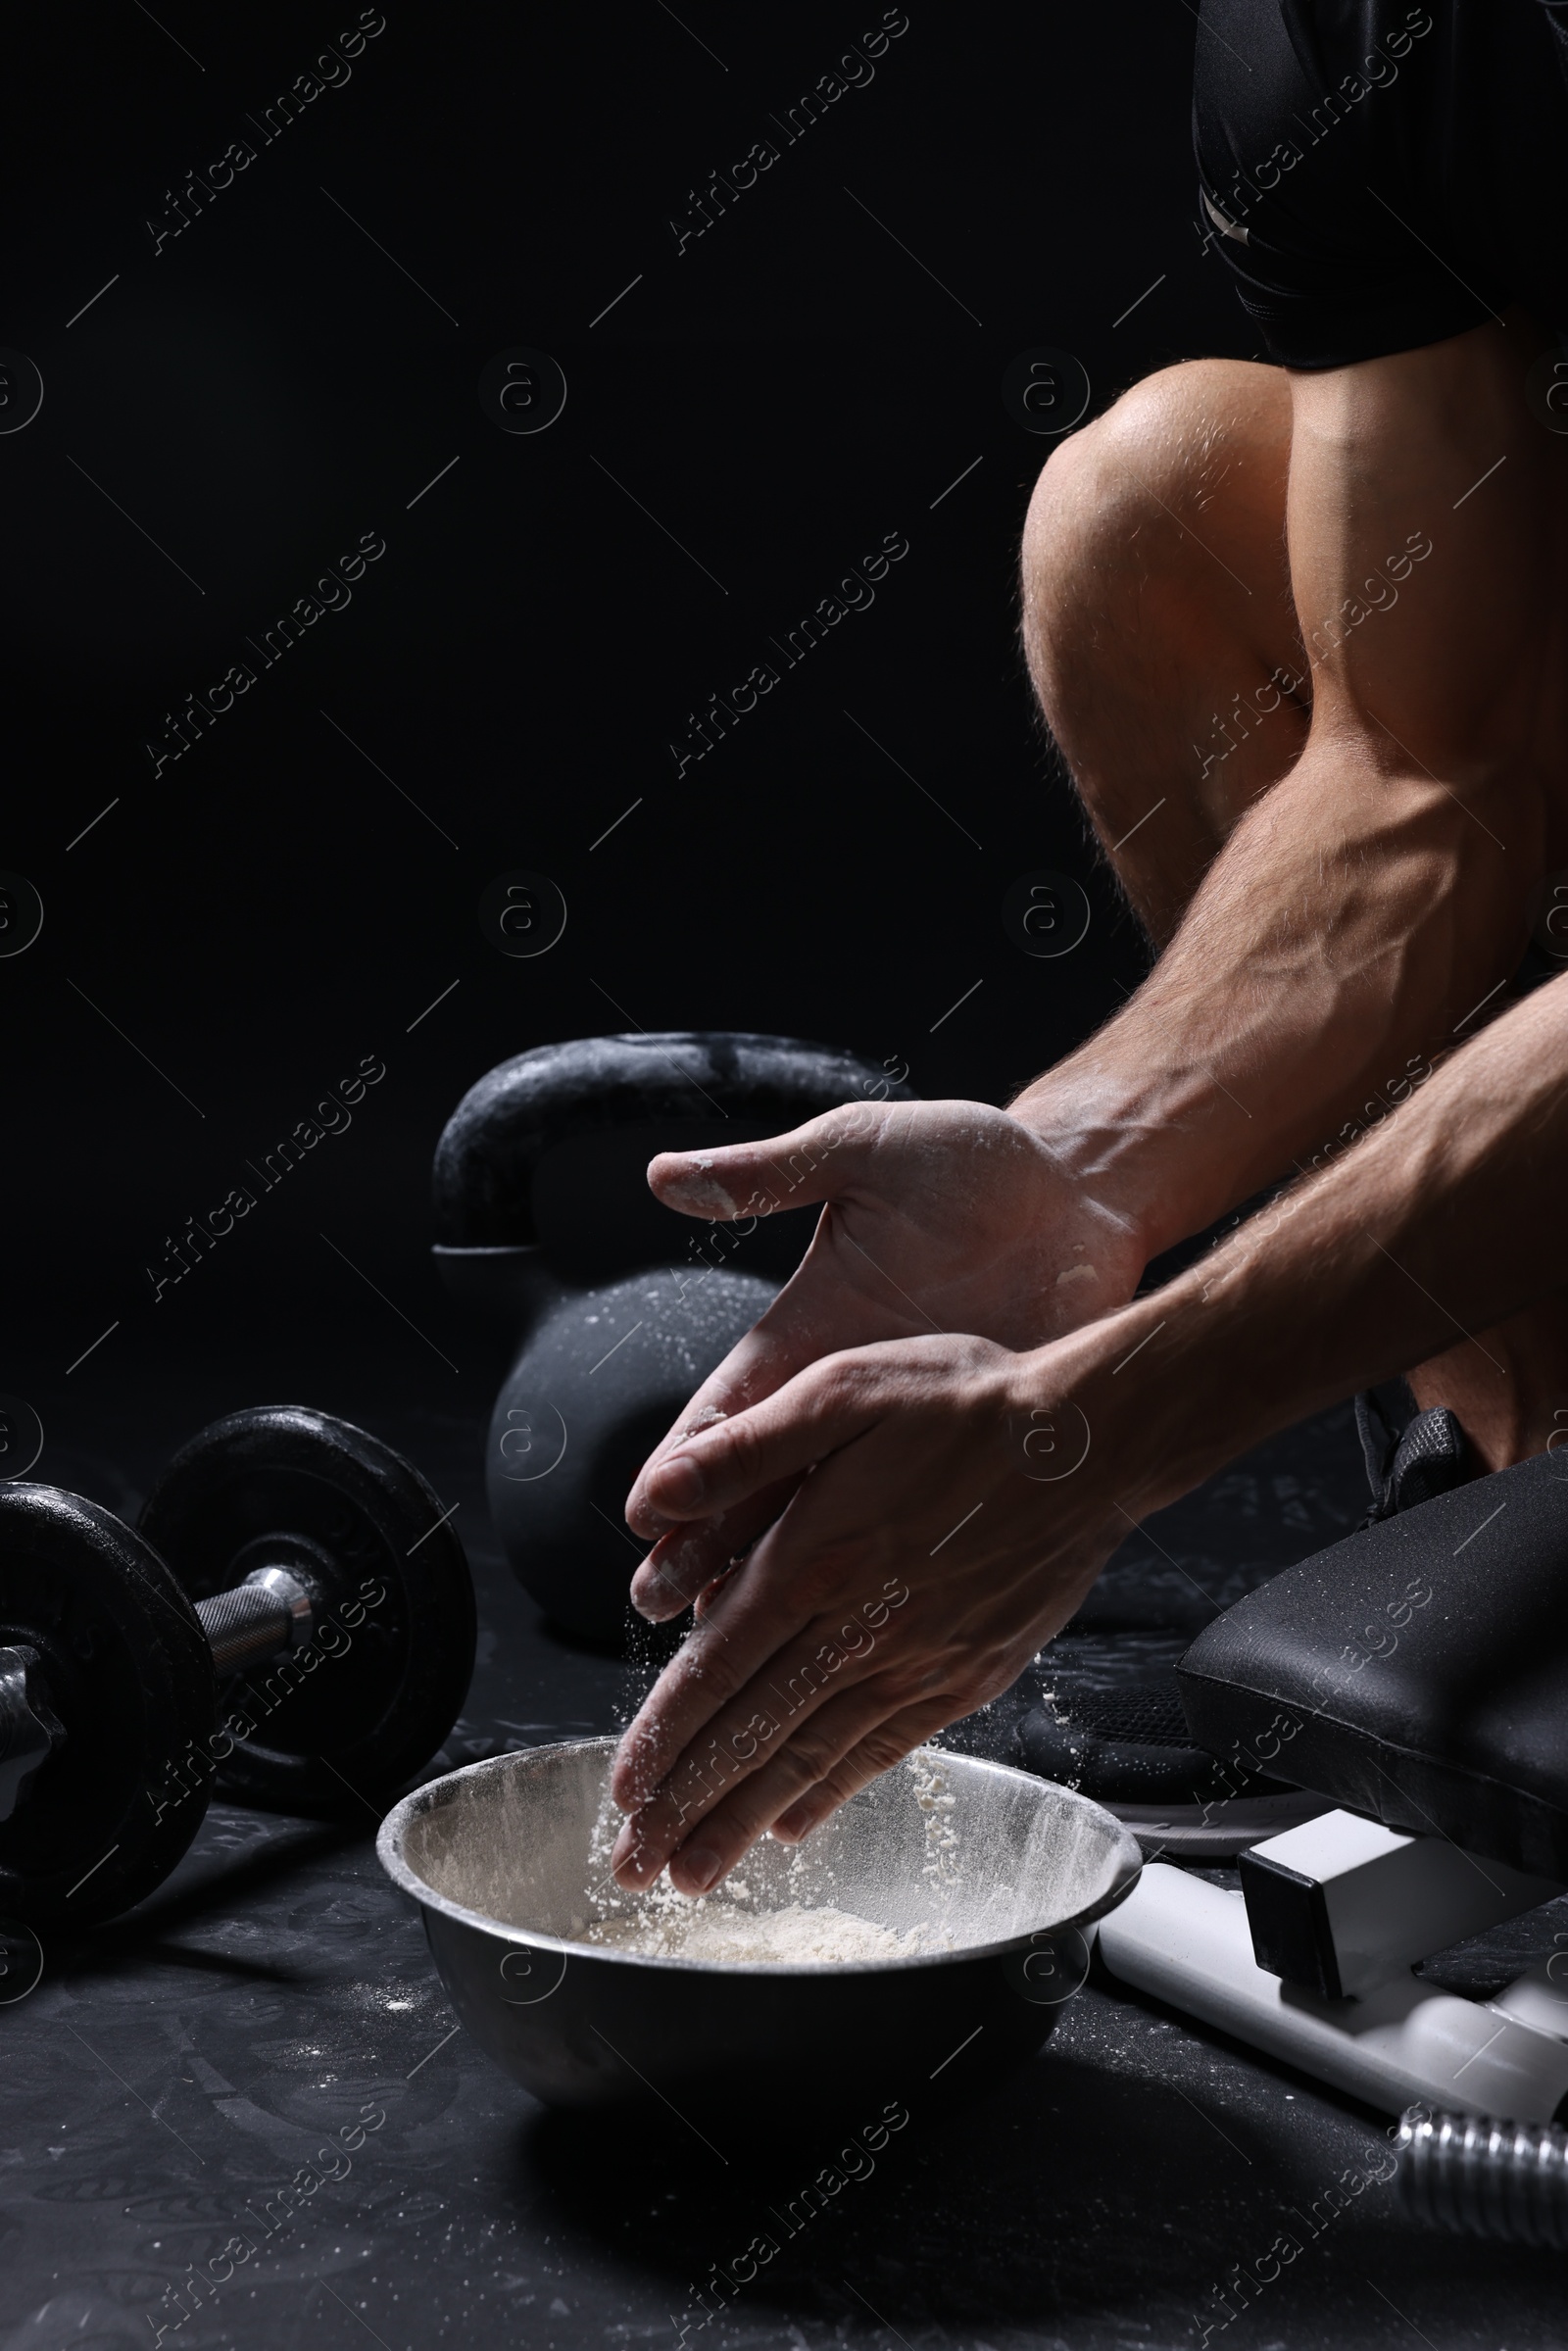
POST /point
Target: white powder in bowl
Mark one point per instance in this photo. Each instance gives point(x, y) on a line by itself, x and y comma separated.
point(722, 1931)
point(726, 1928)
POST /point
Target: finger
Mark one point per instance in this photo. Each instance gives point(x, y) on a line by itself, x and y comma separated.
point(686, 1558)
point(815, 1313)
point(790, 1171)
point(816, 1162)
point(759, 1364)
point(724, 1465)
point(698, 1697)
point(710, 1592)
point(704, 1832)
point(713, 1696)
point(878, 1752)
point(754, 1667)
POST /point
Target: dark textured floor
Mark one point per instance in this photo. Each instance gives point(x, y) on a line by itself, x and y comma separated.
point(172, 2072)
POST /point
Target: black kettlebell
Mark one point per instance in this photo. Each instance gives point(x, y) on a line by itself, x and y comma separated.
point(544, 1215)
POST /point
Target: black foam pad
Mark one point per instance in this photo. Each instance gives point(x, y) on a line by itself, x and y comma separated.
point(1417, 1671)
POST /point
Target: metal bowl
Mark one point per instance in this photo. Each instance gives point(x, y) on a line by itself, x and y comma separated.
point(498, 1859)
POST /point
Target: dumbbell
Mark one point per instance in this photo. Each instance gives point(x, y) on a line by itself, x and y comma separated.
point(291, 1622)
point(544, 1218)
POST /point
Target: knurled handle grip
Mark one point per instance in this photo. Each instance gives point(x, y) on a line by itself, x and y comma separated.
point(245, 1626)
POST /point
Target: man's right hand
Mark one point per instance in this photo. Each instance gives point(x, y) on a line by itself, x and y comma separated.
point(939, 1217)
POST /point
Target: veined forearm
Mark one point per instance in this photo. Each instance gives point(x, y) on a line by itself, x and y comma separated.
point(1356, 917)
point(1439, 1224)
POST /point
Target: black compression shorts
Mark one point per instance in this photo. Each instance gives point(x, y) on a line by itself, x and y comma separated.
point(1381, 175)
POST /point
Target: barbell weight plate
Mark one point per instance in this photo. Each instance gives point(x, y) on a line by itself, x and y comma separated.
point(342, 1724)
point(129, 1677)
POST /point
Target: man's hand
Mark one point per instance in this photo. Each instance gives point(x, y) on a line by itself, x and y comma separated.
point(940, 1218)
point(964, 1497)
point(950, 1529)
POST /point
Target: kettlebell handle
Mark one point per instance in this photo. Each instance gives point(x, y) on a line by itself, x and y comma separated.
point(496, 1137)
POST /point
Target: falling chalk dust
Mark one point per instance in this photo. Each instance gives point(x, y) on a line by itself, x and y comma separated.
point(659, 1923)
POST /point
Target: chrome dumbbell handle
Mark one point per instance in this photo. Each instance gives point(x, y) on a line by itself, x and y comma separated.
point(270, 1612)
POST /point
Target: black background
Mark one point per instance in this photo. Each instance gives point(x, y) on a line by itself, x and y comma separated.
point(232, 935)
point(792, 386)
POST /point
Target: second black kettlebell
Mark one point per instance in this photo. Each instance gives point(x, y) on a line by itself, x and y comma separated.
point(544, 1215)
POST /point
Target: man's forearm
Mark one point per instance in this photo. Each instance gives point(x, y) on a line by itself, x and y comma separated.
point(1352, 925)
point(1443, 1221)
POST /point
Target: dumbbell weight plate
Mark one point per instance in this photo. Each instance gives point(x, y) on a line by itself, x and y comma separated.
point(129, 1674)
point(339, 1725)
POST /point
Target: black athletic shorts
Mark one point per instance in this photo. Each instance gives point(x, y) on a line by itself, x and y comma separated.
point(1381, 175)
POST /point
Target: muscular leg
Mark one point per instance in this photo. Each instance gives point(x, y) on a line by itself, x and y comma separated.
point(1162, 640)
point(1518, 1410)
point(1158, 623)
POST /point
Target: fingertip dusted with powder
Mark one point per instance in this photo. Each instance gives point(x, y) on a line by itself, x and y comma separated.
point(687, 1181)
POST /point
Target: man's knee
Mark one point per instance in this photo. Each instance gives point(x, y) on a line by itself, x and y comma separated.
point(1153, 550)
point(1124, 487)
point(1156, 597)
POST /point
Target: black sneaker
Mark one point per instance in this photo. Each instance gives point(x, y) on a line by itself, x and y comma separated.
point(1131, 1750)
point(1131, 1745)
point(1410, 1456)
